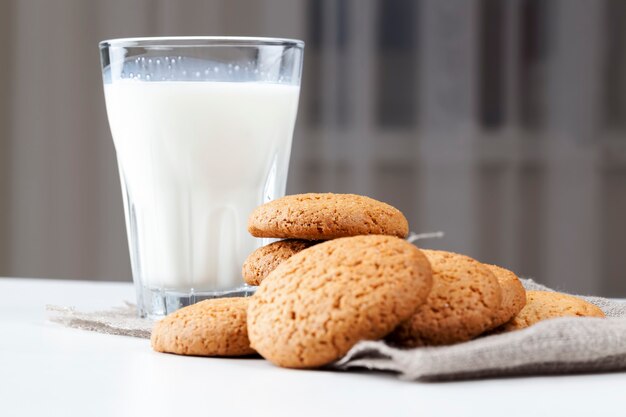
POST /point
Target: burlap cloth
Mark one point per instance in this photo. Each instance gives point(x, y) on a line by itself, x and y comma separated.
point(559, 346)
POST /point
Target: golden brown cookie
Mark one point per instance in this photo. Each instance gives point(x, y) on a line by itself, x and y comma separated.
point(513, 294)
point(326, 216)
point(214, 327)
point(543, 305)
point(462, 304)
point(317, 304)
point(265, 259)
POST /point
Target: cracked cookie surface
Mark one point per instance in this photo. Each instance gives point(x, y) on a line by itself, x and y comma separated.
point(326, 216)
point(544, 305)
point(266, 258)
point(214, 327)
point(462, 304)
point(316, 305)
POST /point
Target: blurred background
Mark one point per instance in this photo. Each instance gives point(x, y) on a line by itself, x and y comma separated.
point(502, 123)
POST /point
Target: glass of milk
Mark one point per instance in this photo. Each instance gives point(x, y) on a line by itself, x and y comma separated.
point(202, 128)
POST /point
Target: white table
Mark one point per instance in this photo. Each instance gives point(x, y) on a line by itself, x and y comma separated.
point(50, 370)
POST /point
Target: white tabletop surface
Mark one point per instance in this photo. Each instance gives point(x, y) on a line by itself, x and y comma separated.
point(50, 370)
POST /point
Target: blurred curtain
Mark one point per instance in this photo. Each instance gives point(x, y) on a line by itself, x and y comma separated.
point(499, 122)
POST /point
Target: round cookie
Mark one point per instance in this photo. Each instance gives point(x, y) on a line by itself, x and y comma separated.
point(326, 216)
point(462, 304)
point(543, 305)
point(266, 258)
point(317, 304)
point(513, 294)
point(215, 327)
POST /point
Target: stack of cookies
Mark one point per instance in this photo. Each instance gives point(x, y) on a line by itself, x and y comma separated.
point(304, 220)
point(344, 273)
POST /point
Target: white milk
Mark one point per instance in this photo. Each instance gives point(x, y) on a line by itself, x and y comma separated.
point(195, 158)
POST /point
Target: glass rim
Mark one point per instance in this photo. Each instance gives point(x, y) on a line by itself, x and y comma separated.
point(199, 41)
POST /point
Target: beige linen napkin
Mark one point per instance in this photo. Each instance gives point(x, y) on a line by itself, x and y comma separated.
point(121, 321)
point(558, 346)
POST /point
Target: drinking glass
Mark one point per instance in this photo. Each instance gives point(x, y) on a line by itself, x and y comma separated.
point(202, 128)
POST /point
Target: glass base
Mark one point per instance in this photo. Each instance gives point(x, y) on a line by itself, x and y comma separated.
point(155, 303)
